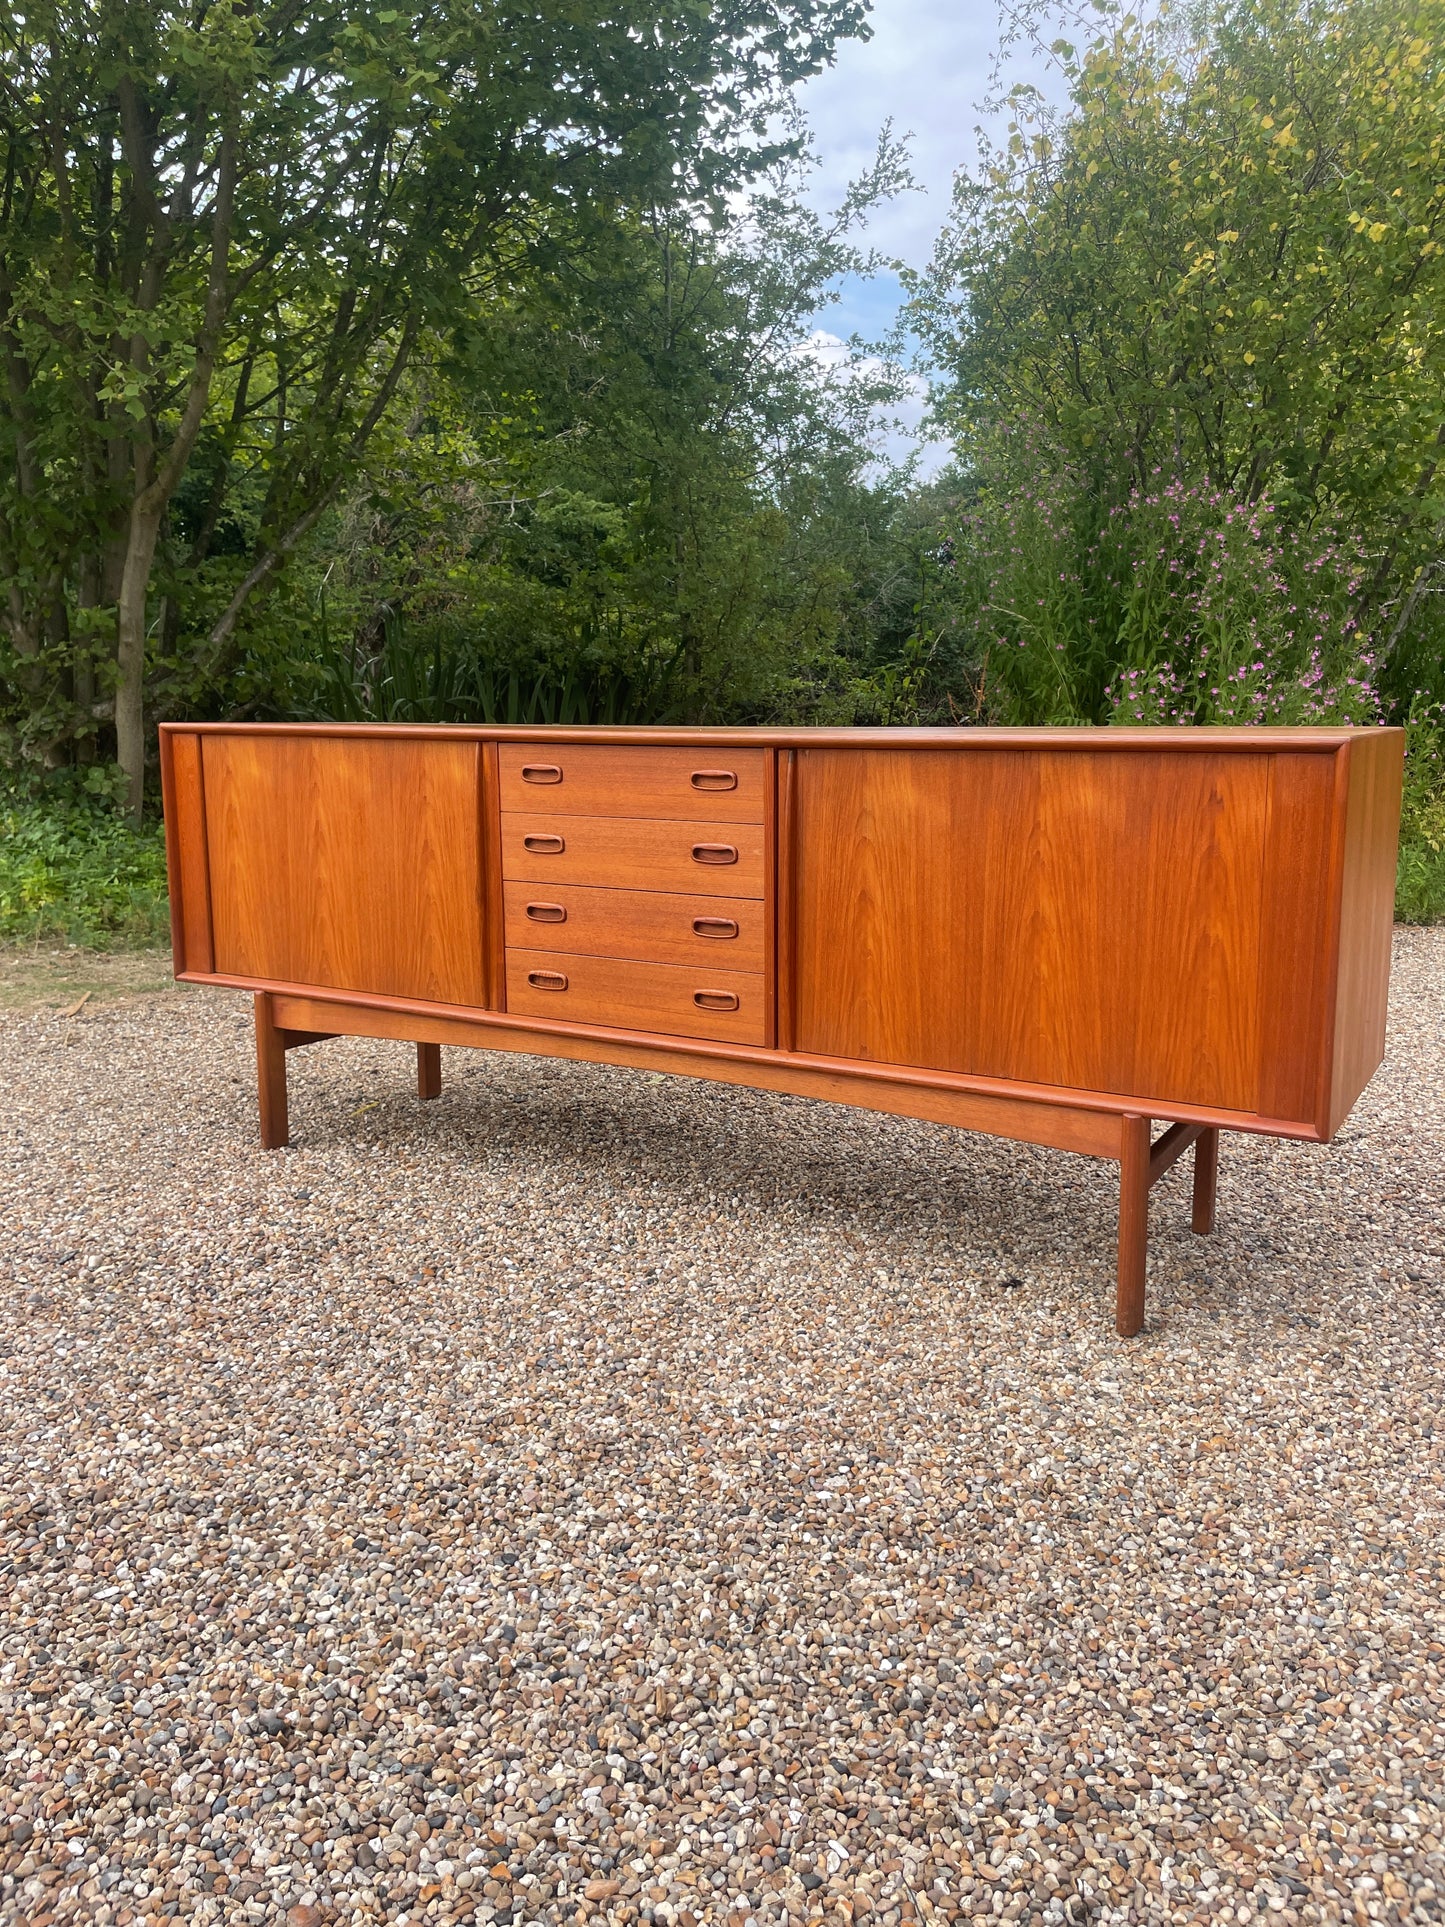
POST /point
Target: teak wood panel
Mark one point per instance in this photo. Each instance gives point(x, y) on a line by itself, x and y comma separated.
point(625, 995)
point(1375, 765)
point(1204, 741)
point(1091, 1133)
point(595, 779)
point(494, 934)
point(760, 1060)
point(1088, 922)
point(186, 861)
point(1294, 951)
point(350, 865)
point(632, 853)
point(650, 925)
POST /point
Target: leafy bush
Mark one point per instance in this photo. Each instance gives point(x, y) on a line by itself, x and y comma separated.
point(1216, 610)
point(71, 867)
point(1420, 883)
point(1179, 603)
point(1217, 258)
point(447, 675)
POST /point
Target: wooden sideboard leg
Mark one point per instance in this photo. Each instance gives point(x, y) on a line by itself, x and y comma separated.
point(428, 1070)
point(1206, 1181)
point(271, 1076)
point(1133, 1224)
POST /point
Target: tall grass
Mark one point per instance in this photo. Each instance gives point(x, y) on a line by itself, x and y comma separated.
point(449, 677)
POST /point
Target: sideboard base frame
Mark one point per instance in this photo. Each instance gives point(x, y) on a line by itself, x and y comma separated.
point(291, 1021)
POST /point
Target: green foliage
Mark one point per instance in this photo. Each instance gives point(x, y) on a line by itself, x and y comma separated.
point(1420, 888)
point(446, 679)
point(627, 489)
point(228, 233)
point(1223, 266)
point(72, 867)
point(1180, 604)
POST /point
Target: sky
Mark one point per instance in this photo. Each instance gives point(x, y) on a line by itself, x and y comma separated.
point(926, 68)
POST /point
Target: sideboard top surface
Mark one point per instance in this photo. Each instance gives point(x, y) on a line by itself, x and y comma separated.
point(1259, 739)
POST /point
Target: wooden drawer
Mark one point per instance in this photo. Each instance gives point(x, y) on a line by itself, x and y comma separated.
point(636, 996)
point(634, 853)
point(651, 925)
point(596, 779)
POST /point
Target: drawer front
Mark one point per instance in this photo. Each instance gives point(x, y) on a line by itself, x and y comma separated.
point(724, 1005)
point(651, 925)
point(596, 779)
point(631, 853)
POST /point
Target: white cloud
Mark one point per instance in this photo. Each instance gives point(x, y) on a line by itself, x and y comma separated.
point(926, 68)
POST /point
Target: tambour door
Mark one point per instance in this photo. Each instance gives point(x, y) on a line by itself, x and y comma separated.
point(1121, 921)
point(348, 862)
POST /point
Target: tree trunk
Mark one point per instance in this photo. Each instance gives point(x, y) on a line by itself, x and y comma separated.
point(130, 744)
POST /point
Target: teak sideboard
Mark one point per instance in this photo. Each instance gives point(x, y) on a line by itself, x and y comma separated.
point(1058, 936)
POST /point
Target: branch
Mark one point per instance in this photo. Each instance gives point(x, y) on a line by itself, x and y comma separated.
point(267, 564)
point(265, 567)
point(1418, 588)
point(159, 491)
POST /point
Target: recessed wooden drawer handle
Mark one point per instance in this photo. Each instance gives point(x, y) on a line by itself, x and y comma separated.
point(714, 779)
point(547, 912)
point(714, 926)
point(544, 845)
point(714, 853)
point(715, 999)
point(546, 980)
point(541, 773)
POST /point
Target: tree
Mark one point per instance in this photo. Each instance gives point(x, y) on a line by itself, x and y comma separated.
point(635, 465)
point(1224, 262)
point(220, 220)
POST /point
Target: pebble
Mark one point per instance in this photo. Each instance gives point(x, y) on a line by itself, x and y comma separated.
point(594, 1496)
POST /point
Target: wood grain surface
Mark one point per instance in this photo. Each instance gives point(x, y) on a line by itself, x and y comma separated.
point(1189, 924)
point(634, 853)
point(648, 925)
point(1133, 1262)
point(1294, 951)
point(494, 961)
point(1091, 922)
point(636, 996)
point(271, 1075)
point(187, 866)
point(770, 898)
point(762, 1059)
point(595, 779)
point(1183, 742)
point(1092, 1133)
point(353, 865)
point(1375, 766)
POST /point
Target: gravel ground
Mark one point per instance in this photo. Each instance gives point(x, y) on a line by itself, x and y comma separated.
point(596, 1495)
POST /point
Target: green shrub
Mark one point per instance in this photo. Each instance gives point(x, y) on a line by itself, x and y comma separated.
point(72, 868)
point(1180, 603)
point(1420, 880)
point(445, 675)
